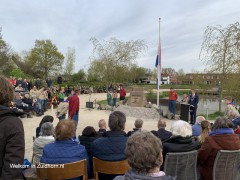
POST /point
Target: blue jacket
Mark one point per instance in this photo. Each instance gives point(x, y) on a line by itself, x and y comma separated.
point(196, 130)
point(61, 152)
point(111, 147)
point(193, 100)
point(163, 134)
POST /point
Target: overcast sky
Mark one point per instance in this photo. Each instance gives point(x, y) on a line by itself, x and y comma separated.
point(71, 23)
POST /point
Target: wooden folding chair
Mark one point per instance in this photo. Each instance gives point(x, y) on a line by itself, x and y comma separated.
point(109, 167)
point(62, 171)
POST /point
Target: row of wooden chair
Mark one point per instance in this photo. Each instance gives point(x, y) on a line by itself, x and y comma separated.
point(76, 169)
point(183, 165)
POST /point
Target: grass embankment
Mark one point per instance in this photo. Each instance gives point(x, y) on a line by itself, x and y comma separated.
point(213, 116)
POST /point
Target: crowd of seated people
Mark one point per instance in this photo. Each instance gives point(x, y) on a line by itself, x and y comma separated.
point(221, 137)
point(65, 149)
point(116, 145)
point(111, 146)
point(144, 155)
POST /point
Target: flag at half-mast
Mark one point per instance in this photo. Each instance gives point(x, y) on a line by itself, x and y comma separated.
point(158, 63)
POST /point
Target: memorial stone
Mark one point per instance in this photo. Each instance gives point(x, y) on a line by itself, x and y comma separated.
point(137, 97)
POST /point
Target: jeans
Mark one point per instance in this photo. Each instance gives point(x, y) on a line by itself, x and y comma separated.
point(75, 118)
point(35, 107)
point(40, 104)
point(45, 104)
point(109, 101)
point(172, 106)
point(114, 101)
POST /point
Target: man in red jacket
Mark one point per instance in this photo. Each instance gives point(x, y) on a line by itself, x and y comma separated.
point(122, 94)
point(74, 104)
point(172, 100)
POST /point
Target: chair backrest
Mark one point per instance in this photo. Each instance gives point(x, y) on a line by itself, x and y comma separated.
point(227, 165)
point(109, 167)
point(62, 171)
point(182, 165)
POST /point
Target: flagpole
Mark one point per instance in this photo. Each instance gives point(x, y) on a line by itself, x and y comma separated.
point(159, 65)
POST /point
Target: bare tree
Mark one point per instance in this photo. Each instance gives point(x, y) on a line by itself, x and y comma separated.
point(69, 62)
point(112, 60)
point(220, 52)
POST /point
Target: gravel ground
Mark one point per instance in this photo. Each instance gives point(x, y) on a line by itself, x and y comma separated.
point(139, 112)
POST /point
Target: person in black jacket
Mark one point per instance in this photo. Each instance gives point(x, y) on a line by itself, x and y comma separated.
point(138, 126)
point(162, 133)
point(193, 101)
point(102, 127)
point(111, 147)
point(12, 143)
point(181, 140)
point(89, 134)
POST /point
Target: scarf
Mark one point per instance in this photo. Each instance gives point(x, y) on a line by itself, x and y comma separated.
point(221, 131)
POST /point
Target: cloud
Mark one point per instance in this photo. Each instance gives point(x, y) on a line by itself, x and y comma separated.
point(71, 23)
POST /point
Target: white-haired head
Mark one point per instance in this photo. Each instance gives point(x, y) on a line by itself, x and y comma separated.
point(199, 119)
point(181, 128)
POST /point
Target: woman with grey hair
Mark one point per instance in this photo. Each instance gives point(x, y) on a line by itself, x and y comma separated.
point(46, 137)
point(181, 140)
point(221, 137)
point(144, 155)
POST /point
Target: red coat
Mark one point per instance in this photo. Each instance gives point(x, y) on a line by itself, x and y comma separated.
point(210, 148)
point(122, 93)
point(172, 95)
point(74, 104)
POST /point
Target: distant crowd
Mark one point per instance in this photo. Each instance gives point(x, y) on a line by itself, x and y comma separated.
point(145, 151)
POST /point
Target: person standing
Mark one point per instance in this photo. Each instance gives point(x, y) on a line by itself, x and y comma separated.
point(172, 98)
point(230, 112)
point(38, 83)
point(122, 93)
point(49, 82)
point(74, 104)
point(25, 85)
point(12, 143)
point(62, 110)
point(109, 98)
point(114, 95)
point(61, 95)
point(193, 101)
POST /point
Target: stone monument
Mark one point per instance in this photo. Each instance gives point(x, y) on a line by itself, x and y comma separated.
point(137, 97)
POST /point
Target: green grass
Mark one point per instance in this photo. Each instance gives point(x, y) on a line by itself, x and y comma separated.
point(213, 116)
point(164, 94)
point(166, 86)
point(104, 102)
